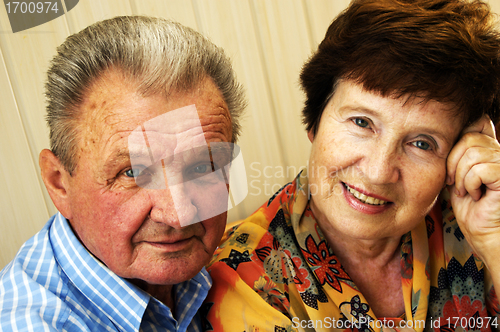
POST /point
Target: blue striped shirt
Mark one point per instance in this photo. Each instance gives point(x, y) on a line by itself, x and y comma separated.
point(55, 284)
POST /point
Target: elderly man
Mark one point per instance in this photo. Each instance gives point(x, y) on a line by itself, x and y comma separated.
point(142, 115)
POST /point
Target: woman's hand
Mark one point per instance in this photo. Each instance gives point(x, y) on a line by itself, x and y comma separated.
point(474, 180)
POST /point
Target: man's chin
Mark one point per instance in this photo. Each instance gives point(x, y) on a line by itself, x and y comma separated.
point(178, 268)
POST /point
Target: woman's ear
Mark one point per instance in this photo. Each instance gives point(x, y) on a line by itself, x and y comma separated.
point(310, 134)
point(56, 180)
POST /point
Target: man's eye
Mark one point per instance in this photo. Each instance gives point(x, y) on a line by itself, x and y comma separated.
point(361, 122)
point(133, 172)
point(201, 169)
point(422, 145)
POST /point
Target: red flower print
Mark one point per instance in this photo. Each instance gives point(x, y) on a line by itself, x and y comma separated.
point(270, 293)
point(301, 275)
point(492, 302)
point(467, 310)
point(326, 267)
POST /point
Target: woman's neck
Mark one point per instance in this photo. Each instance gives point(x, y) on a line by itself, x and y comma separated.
point(373, 266)
point(352, 250)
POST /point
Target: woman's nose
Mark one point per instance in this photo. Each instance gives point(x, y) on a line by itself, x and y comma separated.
point(381, 164)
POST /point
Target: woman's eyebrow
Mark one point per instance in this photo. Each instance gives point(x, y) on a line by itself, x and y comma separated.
point(357, 108)
point(435, 133)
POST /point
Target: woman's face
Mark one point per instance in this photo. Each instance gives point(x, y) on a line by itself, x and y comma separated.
point(378, 164)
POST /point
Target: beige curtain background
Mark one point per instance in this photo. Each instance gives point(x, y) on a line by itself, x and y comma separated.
point(268, 41)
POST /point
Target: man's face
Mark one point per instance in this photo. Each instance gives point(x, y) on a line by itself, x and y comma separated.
point(133, 229)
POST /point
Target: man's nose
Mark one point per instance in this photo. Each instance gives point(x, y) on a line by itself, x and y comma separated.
point(173, 206)
point(381, 164)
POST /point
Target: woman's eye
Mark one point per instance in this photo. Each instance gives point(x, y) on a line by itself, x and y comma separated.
point(361, 122)
point(422, 145)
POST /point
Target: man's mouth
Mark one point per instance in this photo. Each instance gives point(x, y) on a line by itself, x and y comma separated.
point(365, 199)
point(172, 245)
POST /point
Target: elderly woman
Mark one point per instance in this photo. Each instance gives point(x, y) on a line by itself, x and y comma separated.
point(397, 222)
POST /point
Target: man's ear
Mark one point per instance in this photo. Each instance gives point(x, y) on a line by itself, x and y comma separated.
point(56, 180)
point(310, 134)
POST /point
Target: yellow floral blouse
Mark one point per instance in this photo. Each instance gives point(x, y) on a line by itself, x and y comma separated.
point(276, 272)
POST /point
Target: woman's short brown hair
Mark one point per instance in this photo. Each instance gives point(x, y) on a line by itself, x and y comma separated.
point(445, 50)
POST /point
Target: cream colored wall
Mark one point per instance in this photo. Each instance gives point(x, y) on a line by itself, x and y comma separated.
point(268, 41)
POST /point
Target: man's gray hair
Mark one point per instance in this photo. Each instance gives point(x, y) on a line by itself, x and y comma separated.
point(158, 54)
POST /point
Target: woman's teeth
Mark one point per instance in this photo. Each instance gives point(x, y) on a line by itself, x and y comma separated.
point(365, 199)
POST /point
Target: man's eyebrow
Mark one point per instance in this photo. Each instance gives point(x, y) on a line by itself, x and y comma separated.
point(134, 154)
point(120, 154)
point(115, 158)
point(224, 147)
point(219, 147)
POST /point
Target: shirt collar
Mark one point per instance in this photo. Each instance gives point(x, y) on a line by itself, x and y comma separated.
point(203, 278)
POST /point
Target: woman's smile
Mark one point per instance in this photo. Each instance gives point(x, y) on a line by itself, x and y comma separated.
point(364, 203)
point(365, 198)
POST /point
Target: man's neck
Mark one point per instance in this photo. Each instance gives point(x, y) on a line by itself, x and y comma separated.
point(163, 293)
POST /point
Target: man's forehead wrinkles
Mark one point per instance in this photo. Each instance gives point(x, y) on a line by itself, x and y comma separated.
point(99, 122)
point(110, 118)
point(216, 130)
point(113, 150)
point(101, 107)
point(114, 138)
point(220, 114)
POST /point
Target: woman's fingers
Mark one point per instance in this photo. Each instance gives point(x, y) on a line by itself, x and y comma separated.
point(483, 126)
point(487, 174)
point(475, 166)
point(477, 145)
